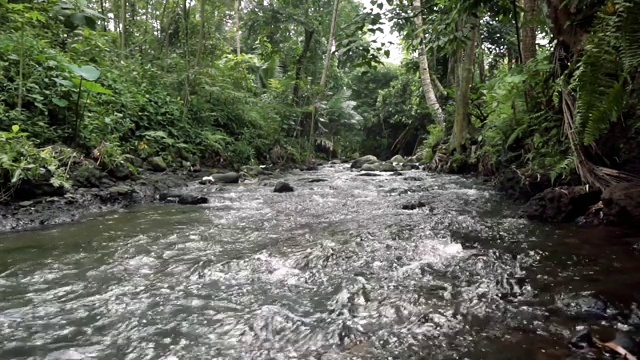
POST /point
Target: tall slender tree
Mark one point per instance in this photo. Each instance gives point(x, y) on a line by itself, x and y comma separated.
point(327, 63)
point(462, 123)
point(425, 74)
point(529, 33)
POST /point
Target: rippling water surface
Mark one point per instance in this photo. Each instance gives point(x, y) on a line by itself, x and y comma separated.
point(335, 270)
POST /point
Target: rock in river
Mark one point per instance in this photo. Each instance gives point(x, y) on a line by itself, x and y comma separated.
point(183, 199)
point(157, 164)
point(397, 159)
point(368, 159)
point(282, 187)
point(387, 167)
point(369, 174)
point(226, 178)
point(413, 205)
point(562, 204)
point(190, 199)
point(370, 167)
point(622, 204)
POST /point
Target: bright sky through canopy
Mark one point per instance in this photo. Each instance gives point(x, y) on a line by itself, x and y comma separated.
point(388, 36)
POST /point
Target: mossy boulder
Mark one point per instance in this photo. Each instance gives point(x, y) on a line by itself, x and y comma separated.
point(387, 167)
point(368, 159)
point(87, 177)
point(157, 164)
point(398, 159)
point(134, 161)
point(370, 167)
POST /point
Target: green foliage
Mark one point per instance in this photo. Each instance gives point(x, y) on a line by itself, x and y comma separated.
point(513, 135)
point(20, 161)
point(433, 139)
point(394, 115)
point(167, 81)
point(601, 76)
point(64, 80)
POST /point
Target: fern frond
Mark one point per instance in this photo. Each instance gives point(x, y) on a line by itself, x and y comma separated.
point(598, 81)
point(629, 11)
point(563, 168)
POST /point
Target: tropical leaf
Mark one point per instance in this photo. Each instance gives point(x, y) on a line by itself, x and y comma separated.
point(89, 73)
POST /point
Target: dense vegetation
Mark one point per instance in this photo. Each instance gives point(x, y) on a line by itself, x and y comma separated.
point(544, 87)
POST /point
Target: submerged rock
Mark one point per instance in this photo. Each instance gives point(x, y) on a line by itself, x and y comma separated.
point(226, 178)
point(368, 159)
point(608, 340)
point(308, 167)
point(282, 187)
point(562, 204)
point(190, 199)
point(369, 174)
point(317, 180)
point(182, 199)
point(582, 307)
point(413, 205)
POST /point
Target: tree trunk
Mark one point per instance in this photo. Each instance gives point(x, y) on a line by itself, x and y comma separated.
point(436, 84)
point(300, 62)
point(332, 36)
point(427, 86)
point(123, 25)
point(187, 89)
point(482, 70)
point(202, 30)
point(529, 30)
point(238, 34)
point(516, 20)
point(462, 123)
point(451, 70)
point(327, 65)
point(105, 23)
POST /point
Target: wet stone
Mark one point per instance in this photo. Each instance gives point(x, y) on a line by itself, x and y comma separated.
point(282, 187)
point(413, 205)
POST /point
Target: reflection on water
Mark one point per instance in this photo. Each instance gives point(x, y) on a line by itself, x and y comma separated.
point(334, 270)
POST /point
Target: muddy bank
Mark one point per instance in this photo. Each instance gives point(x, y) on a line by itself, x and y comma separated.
point(36, 205)
point(569, 201)
point(111, 194)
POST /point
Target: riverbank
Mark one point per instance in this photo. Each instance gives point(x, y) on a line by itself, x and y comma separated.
point(568, 201)
point(106, 194)
point(540, 197)
point(94, 191)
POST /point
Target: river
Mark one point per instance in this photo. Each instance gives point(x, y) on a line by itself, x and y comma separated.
point(334, 270)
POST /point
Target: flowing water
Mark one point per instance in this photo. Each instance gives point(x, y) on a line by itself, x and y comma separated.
point(335, 270)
